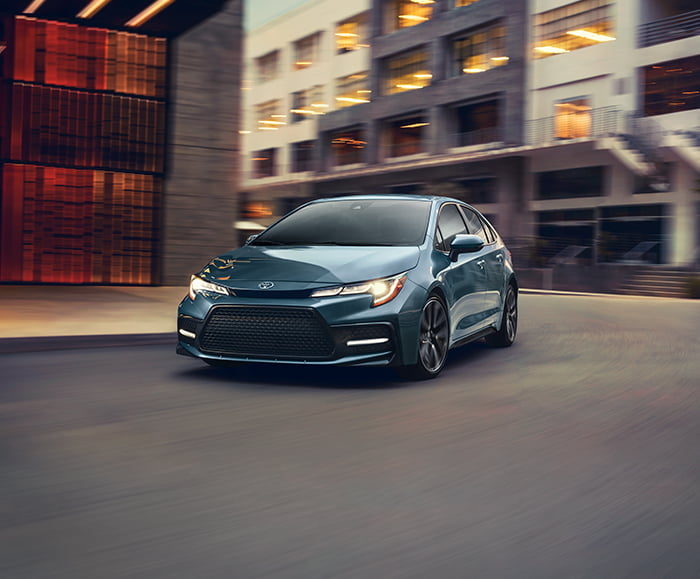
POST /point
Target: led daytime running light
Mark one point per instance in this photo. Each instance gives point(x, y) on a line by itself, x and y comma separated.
point(198, 285)
point(381, 290)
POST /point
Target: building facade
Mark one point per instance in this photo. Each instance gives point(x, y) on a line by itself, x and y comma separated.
point(572, 125)
point(105, 176)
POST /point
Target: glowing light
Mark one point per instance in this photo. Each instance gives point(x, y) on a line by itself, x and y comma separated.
point(303, 63)
point(351, 100)
point(413, 17)
point(423, 2)
point(149, 12)
point(550, 49)
point(301, 112)
point(273, 122)
point(319, 105)
point(414, 125)
point(473, 70)
point(347, 34)
point(423, 75)
point(591, 35)
point(244, 132)
point(409, 86)
point(34, 6)
point(500, 58)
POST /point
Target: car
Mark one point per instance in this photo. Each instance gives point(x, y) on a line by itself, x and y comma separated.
point(357, 280)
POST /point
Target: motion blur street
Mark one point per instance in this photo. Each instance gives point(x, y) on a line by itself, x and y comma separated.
point(572, 454)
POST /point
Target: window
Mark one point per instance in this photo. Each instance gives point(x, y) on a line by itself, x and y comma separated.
point(572, 119)
point(347, 146)
point(351, 34)
point(268, 115)
point(474, 224)
point(307, 103)
point(404, 13)
point(302, 156)
point(264, 163)
point(450, 224)
point(306, 51)
point(479, 51)
point(406, 136)
point(266, 67)
point(352, 89)
point(570, 183)
point(671, 87)
point(477, 124)
point(408, 71)
point(573, 26)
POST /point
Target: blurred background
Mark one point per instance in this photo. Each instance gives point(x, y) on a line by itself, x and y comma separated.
point(138, 138)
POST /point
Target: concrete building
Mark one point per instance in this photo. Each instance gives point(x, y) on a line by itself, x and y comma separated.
point(118, 162)
point(613, 121)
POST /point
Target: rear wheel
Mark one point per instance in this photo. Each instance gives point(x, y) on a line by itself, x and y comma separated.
point(433, 342)
point(509, 322)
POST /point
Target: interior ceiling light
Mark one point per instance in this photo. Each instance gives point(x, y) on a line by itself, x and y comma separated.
point(500, 58)
point(413, 17)
point(473, 70)
point(408, 86)
point(423, 75)
point(92, 8)
point(149, 12)
point(591, 35)
point(33, 7)
point(351, 100)
point(347, 34)
point(423, 1)
point(550, 49)
point(415, 125)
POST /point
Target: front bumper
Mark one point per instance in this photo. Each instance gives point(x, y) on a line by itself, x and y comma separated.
point(341, 330)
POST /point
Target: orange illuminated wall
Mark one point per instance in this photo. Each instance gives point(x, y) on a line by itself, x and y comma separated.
point(82, 146)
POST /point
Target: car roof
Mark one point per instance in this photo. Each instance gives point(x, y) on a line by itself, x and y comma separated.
point(389, 196)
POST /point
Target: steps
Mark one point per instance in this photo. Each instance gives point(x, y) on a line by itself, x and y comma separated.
point(657, 281)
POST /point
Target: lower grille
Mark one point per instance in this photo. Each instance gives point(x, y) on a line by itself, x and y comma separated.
point(270, 332)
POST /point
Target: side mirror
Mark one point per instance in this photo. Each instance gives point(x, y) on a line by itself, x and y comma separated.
point(251, 238)
point(465, 244)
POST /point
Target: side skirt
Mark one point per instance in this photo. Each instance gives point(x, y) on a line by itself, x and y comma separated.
point(473, 337)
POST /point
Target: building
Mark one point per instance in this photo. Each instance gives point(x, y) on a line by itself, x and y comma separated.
point(614, 126)
point(118, 163)
point(572, 125)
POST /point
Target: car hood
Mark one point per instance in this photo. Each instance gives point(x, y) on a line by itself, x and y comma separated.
point(304, 267)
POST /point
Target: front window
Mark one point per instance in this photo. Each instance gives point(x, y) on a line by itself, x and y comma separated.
point(479, 51)
point(352, 89)
point(306, 51)
point(307, 103)
point(408, 71)
point(400, 14)
point(351, 34)
point(268, 115)
point(572, 119)
point(671, 87)
point(352, 222)
point(407, 136)
point(302, 156)
point(577, 25)
point(266, 67)
point(347, 146)
point(264, 163)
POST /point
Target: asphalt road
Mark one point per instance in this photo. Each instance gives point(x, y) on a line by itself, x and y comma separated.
point(575, 453)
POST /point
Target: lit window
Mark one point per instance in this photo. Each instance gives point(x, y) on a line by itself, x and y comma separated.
point(306, 51)
point(406, 136)
point(408, 71)
point(351, 34)
point(404, 13)
point(347, 146)
point(266, 67)
point(572, 119)
point(479, 51)
point(264, 163)
point(459, 3)
point(352, 89)
point(577, 25)
point(268, 116)
point(671, 87)
point(307, 103)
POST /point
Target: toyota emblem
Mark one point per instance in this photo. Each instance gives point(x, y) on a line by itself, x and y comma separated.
point(266, 285)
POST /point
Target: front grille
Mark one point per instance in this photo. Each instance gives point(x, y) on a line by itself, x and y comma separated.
point(270, 332)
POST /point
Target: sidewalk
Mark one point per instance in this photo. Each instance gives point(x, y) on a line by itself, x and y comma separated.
point(47, 317)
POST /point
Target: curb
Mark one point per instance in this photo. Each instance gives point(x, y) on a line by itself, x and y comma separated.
point(48, 343)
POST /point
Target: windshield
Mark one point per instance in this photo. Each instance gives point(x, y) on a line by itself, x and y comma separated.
point(352, 222)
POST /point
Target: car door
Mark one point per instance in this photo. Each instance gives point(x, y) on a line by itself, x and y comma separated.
point(464, 280)
point(492, 258)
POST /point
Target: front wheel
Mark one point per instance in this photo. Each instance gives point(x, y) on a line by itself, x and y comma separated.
point(433, 342)
point(505, 336)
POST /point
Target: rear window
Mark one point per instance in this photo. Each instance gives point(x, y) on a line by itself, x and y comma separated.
point(352, 222)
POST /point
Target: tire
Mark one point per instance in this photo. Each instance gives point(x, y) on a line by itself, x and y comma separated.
point(433, 342)
point(505, 336)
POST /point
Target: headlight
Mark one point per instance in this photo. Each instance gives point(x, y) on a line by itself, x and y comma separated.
point(382, 290)
point(197, 285)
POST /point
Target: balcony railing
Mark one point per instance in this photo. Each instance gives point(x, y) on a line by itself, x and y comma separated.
point(478, 137)
point(668, 29)
point(601, 122)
